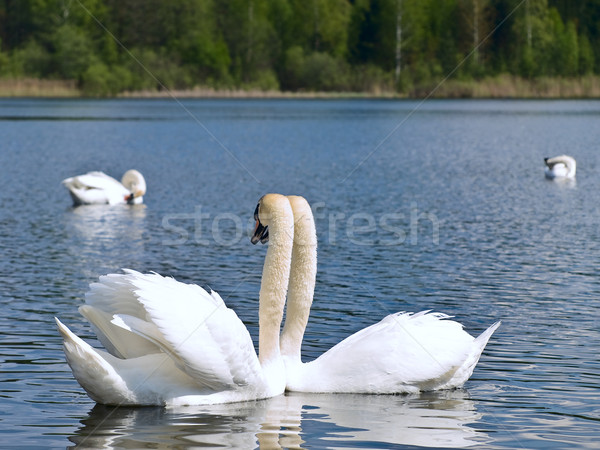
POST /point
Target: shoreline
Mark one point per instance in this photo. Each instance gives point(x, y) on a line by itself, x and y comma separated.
point(499, 87)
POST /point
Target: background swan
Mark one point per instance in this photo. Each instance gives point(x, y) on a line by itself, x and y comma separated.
point(562, 166)
point(98, 188)
point(174, 343)
point(402, 353)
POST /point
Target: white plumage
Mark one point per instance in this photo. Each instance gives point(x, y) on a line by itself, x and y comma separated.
point(403, 353)
point(99, 188)
point(562, 166)
point(165, 340)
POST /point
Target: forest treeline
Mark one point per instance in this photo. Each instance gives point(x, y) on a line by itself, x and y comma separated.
point(112, 46)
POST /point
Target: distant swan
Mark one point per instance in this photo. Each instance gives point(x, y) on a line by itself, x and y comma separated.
point(170, 343)
point(560, 167)
point(403, 353)
point(98, 188)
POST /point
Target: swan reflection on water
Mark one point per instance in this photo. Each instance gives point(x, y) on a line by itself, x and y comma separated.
point(93, 222)
point(99, 232)
point(436, 419)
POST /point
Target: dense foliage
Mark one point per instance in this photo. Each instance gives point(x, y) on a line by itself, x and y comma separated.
point(110, 46)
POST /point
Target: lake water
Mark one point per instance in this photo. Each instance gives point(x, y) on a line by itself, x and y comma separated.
point(438, 205)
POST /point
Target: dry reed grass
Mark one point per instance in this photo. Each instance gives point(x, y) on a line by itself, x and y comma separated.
point(502, 86)
point(507, 86)
point(32, 87)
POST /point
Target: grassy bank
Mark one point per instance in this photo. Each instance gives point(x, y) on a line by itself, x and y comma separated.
point(500, 87)
point(253, 93)
point(507, 86)
point(32, 87)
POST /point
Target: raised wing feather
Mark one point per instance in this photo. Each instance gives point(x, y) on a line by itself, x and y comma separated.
point(115, 339)
point(205, 338)
point(113, 295)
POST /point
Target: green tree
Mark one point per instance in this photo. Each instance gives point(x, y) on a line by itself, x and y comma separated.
point(372, 37)
point(321, 26)
point(73, 51)
point(201, 44)
point(567, 51)
point(294, 44)
point(586, 56)
point(534, 39)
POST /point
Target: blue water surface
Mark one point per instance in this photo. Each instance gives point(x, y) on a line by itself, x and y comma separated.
point(438, 205)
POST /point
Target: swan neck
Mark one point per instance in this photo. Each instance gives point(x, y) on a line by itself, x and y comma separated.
point(301, 288)
point(274, 284)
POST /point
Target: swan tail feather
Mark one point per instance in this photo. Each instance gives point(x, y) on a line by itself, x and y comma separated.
point(484, 337)
point(93, 372)
point(466, 370)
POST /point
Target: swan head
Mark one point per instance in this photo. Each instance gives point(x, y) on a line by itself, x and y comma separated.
point(268, 209)
point(135, 183)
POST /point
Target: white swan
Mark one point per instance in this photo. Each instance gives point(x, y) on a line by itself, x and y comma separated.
point(98, 188)
point(562, 166)
point(170, 343)
point(403, 353)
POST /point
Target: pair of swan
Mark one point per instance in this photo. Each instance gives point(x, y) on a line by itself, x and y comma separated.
point(170, 343)
point(95, 188)
point(562, 166)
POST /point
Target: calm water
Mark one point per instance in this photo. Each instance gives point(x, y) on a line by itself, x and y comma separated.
point(438, 206)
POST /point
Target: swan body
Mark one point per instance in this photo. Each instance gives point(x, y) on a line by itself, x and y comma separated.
point(98, 188)
point(170, 343)
point(403, 353)
point(560, 167)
